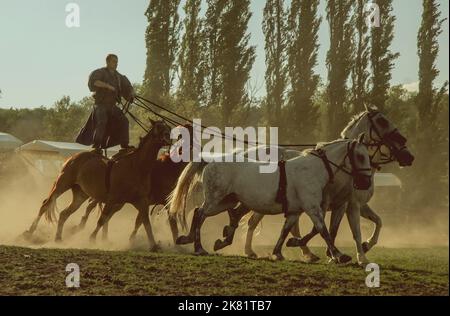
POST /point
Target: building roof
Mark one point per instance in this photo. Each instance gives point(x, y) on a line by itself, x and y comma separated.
point(9, 142)
point(62, 148)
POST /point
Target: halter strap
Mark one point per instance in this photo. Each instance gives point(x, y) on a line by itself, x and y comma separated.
point(282, 188)
point(320, 153)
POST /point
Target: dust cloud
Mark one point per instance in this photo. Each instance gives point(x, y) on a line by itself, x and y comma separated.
point(22, 193)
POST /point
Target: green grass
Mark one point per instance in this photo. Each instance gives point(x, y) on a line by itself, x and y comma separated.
point(25, 271)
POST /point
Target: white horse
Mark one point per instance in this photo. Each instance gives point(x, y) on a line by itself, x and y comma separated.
point(385, 144)
point(226, 184)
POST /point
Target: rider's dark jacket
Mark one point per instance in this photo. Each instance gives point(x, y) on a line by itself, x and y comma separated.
point(106, 98)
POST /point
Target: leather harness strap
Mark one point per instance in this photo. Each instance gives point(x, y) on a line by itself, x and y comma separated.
point(320, 153)
point(282, 188)
point(109, 166)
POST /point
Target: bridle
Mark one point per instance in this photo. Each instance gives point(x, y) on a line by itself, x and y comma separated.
point(353, 172)
point(150, 134)
point(380, 141)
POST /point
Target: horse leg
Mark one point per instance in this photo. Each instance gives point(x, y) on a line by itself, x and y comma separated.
point(188, 239)
point(235, 216)
point(89, 208)
point(105, 230)
point(316, 215)
point(198, 248)
point(369, 214)
point(108, 210)
point(307, 254)
point(253, 222)
point(209, 208)
point(288, 223)
point(137, 224)
point(173, 228)
point(78, 198)
point(105, 227)
point(335, 222)
point(49, 204)
point(143, 208)
point(353, 216)
point(303, 241)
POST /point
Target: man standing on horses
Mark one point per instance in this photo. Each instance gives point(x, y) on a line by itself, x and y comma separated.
point(107, 126)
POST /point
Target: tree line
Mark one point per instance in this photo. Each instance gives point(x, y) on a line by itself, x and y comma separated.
point(199, 64)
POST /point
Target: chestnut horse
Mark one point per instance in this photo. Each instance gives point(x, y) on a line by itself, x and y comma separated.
point(114, 183)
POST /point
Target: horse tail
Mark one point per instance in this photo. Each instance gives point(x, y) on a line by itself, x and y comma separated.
point(48, 207)
point(187, 182)
point(243, 223)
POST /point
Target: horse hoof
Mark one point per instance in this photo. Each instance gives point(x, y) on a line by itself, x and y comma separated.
point(365, 246)
point(27, 235)
point(219, 244)
point(344, 259)
point(201, 252)
point(252, 255)
point(155, 248)
point(58, 240)
point(184, 240)
point(311, 258)
point(277, 257)
point(293, 242)
point(362, 260)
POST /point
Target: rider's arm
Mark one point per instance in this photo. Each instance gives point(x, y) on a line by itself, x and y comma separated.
point(101, 84)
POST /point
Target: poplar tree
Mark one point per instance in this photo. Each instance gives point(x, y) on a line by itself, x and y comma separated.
point(339, 63)
point(162, 42)
point(381, 57)
point(275, 32)
point(304, 24)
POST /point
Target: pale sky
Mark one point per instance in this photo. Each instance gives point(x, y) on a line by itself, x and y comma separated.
point(42, 59)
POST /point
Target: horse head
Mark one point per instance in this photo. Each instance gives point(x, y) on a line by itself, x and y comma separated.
point(159, 134)
point(384, 140)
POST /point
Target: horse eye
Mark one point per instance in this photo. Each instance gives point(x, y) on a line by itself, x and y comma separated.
point(382, 122)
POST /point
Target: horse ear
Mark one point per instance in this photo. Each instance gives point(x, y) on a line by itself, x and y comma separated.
point(152, 121)
point(361, 138)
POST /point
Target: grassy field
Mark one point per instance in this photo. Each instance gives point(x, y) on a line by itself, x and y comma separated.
point(25, 271)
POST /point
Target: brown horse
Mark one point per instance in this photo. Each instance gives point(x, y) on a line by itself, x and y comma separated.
point(126, 180)
point(164, 177)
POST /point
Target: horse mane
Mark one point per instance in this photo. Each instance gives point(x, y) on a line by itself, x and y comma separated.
point(324, 144)
point(143, 139)
point(355, 118)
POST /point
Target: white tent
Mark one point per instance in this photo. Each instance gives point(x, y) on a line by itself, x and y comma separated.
point(61, 148)
point(8, 142)
point(47, 157)
point(387, 180)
